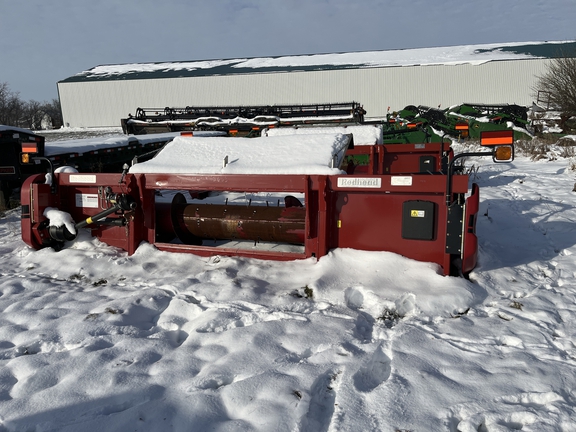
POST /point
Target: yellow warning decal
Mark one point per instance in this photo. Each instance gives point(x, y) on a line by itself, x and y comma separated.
point(417, 213)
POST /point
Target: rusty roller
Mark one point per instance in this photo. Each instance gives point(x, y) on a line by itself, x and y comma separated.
point(194, 222)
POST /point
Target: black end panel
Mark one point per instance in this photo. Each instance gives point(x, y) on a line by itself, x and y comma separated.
point(25, 212)
point(454, 229)
point(428, 164)
point(418, 220)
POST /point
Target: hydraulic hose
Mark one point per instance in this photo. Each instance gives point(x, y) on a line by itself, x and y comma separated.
point(61, 234)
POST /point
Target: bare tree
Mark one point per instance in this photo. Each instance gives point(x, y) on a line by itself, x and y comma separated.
point(54, 112)
point(10, 106)
point(30, 115)
point(559, 85)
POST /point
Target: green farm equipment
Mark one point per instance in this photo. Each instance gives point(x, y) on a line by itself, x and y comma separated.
point(461, 121)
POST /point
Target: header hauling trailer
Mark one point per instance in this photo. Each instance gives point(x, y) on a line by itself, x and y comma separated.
point(14, 141)
point(282, 198)
point(86, 155)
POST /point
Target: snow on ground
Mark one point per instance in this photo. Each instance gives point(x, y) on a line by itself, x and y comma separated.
point(92, 339)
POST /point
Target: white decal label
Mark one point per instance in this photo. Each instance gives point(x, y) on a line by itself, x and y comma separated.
point(359, 182)
point(87, 200)
point(76, 178)
point(417, 213)
point(401, 181)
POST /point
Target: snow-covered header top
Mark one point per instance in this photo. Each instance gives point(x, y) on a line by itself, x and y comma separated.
point(84, 145)
point(470, 54)
point(302, 154)
point(363, 134)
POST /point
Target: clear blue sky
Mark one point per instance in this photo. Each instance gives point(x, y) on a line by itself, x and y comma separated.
point(42, 42)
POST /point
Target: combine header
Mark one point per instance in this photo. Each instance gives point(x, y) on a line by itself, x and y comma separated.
point(242, 120)
point(282, 197)
point(411, 125)
point(415, 123)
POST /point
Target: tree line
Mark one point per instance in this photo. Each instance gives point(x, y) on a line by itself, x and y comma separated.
point(30, 114)
point(557, 88)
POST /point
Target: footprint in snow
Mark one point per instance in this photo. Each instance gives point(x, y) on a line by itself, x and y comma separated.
point(531, 410)
point(211, 382)
point(176, 320)
point(375, 372)
point(322, 399)
point(364, 326)
point(7, 382)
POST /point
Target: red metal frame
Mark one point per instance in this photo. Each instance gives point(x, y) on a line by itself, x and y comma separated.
point(470, 240)
point(400, 158)
point(342, 211)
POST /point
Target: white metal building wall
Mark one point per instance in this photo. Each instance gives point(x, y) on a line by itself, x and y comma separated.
point(104, 103)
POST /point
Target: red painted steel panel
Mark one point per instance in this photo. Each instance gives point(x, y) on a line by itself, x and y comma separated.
point(208, 251)
point(369, 221)
point(31, 211)
point(397, 158)
point(228, 182)
point(360, 212)
point(470, 249)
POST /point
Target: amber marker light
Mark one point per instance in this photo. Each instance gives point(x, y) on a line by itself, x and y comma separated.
point(504, 153)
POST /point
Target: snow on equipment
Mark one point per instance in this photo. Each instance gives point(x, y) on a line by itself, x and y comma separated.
point(279, 197)
point(242, 120)
point(411, 125)
point(19, 147)
point(462, 121)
